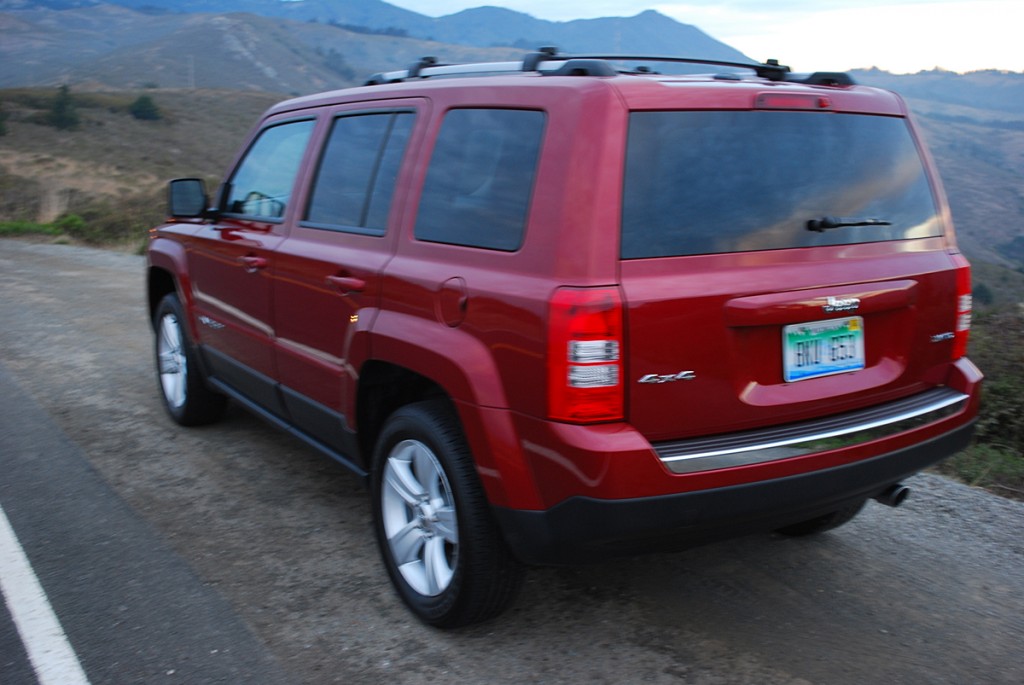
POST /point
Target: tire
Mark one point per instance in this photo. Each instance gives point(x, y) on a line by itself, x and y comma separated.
point(187, 398)
point(440, 544)
point(820, 524)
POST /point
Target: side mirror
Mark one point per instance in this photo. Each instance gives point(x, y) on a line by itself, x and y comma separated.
point(187, 199)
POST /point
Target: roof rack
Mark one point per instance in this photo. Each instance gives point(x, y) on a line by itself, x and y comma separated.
point(548, 62)
point(771, 70)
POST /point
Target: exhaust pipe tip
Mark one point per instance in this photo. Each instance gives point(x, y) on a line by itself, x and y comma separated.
point(894, 495)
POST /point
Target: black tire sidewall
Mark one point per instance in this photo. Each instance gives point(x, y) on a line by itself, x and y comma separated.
point(201, 404)
point(413, 423)
point(486, 576)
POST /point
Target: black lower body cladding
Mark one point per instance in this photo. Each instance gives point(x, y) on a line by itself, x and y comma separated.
point(583, 529)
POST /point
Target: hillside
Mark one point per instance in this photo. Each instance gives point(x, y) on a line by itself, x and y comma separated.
point(974, 124)
point(112, 159)
point(293, 47)
point(107, 46)
point(646, 33)
point(190, 61)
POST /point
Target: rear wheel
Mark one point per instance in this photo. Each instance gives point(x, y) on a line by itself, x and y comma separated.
point(820, 524)
point(186, 396)
point(440, 544)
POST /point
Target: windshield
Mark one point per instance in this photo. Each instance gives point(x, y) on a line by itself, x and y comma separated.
point(705, 182)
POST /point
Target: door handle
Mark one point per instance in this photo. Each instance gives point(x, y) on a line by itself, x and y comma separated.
point(347, 284)
point(253, 264)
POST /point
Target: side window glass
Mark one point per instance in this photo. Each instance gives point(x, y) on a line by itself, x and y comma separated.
point(262, 184)
point(358, 171)
point(480, 178)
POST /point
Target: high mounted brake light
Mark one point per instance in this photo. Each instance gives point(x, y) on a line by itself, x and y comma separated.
point(585, 349)
point(792, 101)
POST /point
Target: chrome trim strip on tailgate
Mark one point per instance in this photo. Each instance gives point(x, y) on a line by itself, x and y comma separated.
point(834, 432)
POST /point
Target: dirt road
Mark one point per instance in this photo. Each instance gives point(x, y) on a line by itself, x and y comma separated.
point(932, 592)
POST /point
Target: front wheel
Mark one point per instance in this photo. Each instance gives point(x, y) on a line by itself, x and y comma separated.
point(186, 396)
point(440, 544)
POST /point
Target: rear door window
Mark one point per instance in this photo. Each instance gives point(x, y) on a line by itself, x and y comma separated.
point(735, 181)
point(358, 171)
point(480, 178)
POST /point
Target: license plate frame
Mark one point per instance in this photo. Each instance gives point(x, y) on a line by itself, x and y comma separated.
point(816, 349)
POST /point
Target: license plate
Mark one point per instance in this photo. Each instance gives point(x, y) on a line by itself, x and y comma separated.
point(822, 348)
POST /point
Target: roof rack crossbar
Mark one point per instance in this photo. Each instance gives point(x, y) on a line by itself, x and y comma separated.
point(417, 68)
point(771, 70)
point(547, 61)
point(533, 60)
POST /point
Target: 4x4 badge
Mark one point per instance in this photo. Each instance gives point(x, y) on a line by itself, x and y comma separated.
point(668, 378)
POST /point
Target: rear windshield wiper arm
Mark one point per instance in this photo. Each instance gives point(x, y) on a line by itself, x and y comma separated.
point(827, 222)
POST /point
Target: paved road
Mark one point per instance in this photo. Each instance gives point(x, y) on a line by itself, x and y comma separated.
point(234, 554)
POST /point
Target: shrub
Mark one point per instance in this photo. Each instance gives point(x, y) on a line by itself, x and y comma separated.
point(8, 228)
point(989, 466)
point(996, 459)
point(70, 224)
point(145, 109)
point(63, 114)
point(107, 221)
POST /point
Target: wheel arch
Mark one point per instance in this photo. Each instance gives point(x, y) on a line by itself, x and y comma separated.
point(166, 273)
point(160, 284)
point(384, 387)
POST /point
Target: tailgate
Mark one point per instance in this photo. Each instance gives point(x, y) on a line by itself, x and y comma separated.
point(779, 266)
point(716, 345)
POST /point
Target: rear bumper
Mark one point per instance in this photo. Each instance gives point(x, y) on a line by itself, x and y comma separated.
point(582, 529)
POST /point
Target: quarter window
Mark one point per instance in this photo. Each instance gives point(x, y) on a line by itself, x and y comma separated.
point(357, 175)
point(480, 178)
point(262, 184)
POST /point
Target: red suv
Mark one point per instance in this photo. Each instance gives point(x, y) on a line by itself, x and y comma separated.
point(556, 310)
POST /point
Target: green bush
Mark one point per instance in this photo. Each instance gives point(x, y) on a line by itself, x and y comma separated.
point(63, 113)
point(145, 109)
point(989, 466)
point(69, 224)
point(10, 228)
point(996, 459)
point(108, 221)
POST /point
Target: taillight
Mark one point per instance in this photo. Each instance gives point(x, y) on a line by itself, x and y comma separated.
point(964, 305)
point(585, 347)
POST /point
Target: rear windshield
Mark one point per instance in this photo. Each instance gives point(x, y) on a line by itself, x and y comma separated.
point(722, 181)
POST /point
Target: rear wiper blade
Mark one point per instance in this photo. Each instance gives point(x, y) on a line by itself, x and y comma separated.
point(827, 222)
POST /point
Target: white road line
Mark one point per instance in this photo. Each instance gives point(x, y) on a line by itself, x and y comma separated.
point(52, 657)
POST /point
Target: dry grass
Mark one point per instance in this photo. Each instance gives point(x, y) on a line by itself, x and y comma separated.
point(112, 164)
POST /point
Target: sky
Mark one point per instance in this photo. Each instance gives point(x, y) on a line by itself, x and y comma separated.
point(901, 36)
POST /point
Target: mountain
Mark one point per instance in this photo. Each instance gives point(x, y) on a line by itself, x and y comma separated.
point(647, 33)
point(292, 47)
point(109, 46)
point(989, 89)
point(974, 124)
point(184, 49)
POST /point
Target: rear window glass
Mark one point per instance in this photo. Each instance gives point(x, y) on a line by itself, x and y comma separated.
point(357, 175)
point(480, 178)
point(714, 181)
